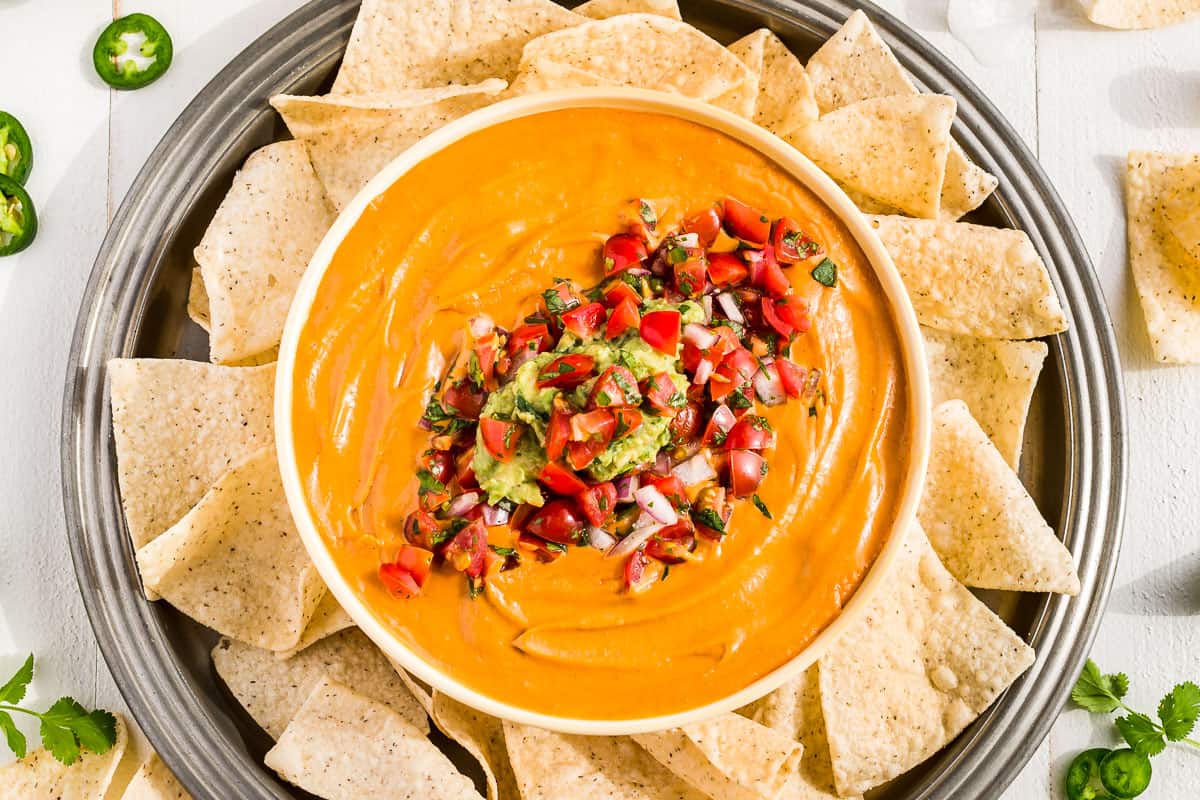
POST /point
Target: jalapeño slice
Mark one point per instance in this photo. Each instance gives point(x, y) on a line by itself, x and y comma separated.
point(16, 152)
point(132, 52)
point(18, 220)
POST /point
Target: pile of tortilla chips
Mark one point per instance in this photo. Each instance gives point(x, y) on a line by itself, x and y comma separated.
point(201, 488)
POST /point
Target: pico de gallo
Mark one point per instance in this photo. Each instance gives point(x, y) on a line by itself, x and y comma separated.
point(625, 416)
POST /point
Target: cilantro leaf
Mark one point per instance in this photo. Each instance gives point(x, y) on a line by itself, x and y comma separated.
point(1099, 693)
point(825, 273)
point(1179, 710)
point(761, 506)
point(15, 739)
point(14, 690)
point(1141, 733)
point(61, 743)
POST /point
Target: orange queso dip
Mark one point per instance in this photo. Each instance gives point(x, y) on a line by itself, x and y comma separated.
point(484, 227)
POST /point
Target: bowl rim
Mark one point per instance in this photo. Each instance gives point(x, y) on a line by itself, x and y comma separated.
point(797, 166)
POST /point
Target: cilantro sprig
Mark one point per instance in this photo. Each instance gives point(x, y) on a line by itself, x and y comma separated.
point(66, 727)
point(1177, 711)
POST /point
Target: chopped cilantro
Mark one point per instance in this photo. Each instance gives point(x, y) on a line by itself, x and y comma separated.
point(709, 518)
point(603, 399)
point(583, 538)
point(738, 399)
point(825, 273)
point(812, 411)
point(761, 506)
point(646, 212)
point(502, 551)
point(556, 547)
point(475, 371)
point(677, 255)
point(526, 407)
point(666, 572)
point(429, 483)
point(678, 400)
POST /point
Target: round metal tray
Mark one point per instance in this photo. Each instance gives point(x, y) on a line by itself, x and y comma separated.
point(1074, 462)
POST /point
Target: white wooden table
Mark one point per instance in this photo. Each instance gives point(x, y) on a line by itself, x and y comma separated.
point(1081, 96)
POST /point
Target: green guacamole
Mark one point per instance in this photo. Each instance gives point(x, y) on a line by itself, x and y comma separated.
point(521, 400)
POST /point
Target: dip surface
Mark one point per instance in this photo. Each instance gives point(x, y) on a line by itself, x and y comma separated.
point(483, 227)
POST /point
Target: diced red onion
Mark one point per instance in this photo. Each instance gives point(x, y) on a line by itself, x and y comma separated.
point(636, 538)
point(481, 325)
point(600, 538)
point(662, 464)
point(724, 418)
point(638, 271)
point(696, 469)
point(686, 240)
point(768, 386)
point(626, 486)
point(494, 515)
point(729, 305)
point(655, 503)
point(425, 424)
point(704, 371)
point(706, 303)
point(462, 504)
point(699, 335)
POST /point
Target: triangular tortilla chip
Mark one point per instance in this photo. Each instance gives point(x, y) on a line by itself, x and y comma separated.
point(41, 776)
point(235, 562)
point(1140, 14)
point(153, 781)
point(981, 521)
point(603, 9)
point(785, 97)
point(973, 279)
point(351, 138)
point(197, 307)
point(541, 76)
point(257, 247)
point(794, 709)
point(416, 44)
point(994, 377)
point(178, 425)
point(890, 148)
point(483, 737)
point(328, 619)
point(924, 661)
point(1160, 190)
point(729, 756)
point(856, 64)
point(342, 744)
point(651, 52)
point(272, 690)
point(550, 766)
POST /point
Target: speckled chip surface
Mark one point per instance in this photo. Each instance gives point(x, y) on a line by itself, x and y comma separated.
point(482, 736)
point(785, 96)
point(1138, 14)
point(41, 776)
point(153, 781)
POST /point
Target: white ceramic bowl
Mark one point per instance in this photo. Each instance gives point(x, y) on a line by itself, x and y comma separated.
point(740, 129)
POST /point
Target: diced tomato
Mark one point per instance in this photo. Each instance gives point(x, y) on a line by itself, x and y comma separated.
point(566, 372)
point(791, 243)
point(560, 298)
point(726, 269)
point(464, 469)
point(743, 363)
point(772, 278)
point(639, 218)
point(417, 560)
point(774, 319)
point(723, 383)
point(595, 425)
point(467, 551)
point(705, 224)
point(500, 437)
point(581, 454)
point(432, 492)
point(751, 432)
point(622, 251)
point(620, 290)
point(624, 318)
point(673, 544)
point(560, 480)
point(672, 489)
point(745, 472)
point(690, 276)
point(557, 521)
point(421, 529)
point(791, 375)
point(463, 399)
point(745, 222)
point(794, 312)
point(712, 507)
point(627, 420)
point(533, 338)
point(439, 464)
point(660, 330)
point(558, 430)
point(685, 426)
point(714, 434)
point(399, 582)
point(540, 549)
point(638, 578)
point(616, 386)
point(660, 392)
point(690, 356)
point(487, 351)
point(598, 502)
point(585, 321)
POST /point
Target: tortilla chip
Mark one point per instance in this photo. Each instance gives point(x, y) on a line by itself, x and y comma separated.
point(483, 737)
point(984, 525)
point(551, 766)
point(651, 52)
point(856, 64)
point(328, 619)
point(350, 139)
point(785, 97)
point(272, 690)
point(925, 660)
point(153, 781)
point(729, 756)
point(419, 44)
point(1162, 208)
point(1139, 14)
point(178, 425)
point(235, 562)
point(543, 76)
point(794, 710)
point(973, 279)
point(41, 776)
point(603, 9)
point(197, 307)
point(342, 744)
point(257, 247)
point(890, 148)
point(994, 377)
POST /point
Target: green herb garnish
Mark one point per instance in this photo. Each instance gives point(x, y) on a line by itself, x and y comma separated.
point(503, 551)
point(761, 506)
point(646, 212)
point(709, 518)
point(66, 727)
point(428, 482)
point(825, 273)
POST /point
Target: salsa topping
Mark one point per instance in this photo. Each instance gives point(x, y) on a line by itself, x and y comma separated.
point(623, 417)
